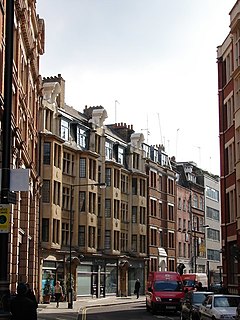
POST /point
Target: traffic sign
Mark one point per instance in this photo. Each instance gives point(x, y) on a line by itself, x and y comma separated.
point(4, 218)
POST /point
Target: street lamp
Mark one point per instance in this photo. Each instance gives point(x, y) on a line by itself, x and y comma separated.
point(206, 226)
point(70, 290)
point(195, 249)
point(6, 155)
point(208, 274)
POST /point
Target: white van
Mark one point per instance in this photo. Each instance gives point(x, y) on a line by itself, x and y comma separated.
point(202, 277)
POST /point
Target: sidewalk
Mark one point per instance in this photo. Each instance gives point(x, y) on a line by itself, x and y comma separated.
point(87, 302)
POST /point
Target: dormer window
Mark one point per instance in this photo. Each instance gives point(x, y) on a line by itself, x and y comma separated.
point(191, 177)
point(108, 150)
point(65, 129)
point(81, 137)
point(146, 149)
point(164, 159)
point(120, 155)
point(155, 155)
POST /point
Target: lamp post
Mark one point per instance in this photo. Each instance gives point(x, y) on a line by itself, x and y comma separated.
point(220, 274)
point(208, 274)
point(195, 249)
point(206, 226)
point(70, 290)
point(6, 155)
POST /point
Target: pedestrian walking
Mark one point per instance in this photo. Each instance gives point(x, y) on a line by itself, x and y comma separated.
point(21, 306)
point(58, 293)
point(137, 288)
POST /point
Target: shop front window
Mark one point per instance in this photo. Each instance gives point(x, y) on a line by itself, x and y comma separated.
point(84, 280)
point(111, 280)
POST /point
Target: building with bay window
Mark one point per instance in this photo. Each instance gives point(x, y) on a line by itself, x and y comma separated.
point(108, 225)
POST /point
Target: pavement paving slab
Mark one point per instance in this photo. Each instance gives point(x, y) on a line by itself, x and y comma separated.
point(87, 302)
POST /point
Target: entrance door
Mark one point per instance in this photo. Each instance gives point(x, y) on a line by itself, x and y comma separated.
point(102, 285)
point(98, 284)
point(94, 284)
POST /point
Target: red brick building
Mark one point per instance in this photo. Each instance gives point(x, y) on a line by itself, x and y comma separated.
point(28, 40)
point(228, 60)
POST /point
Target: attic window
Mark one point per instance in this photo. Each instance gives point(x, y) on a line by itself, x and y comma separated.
point(65, 130)
point(108, 150)
point(120, 155)
point(81, 137)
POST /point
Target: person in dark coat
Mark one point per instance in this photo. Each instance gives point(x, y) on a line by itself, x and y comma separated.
point(223, 289)
point(30, 294)
point(21, 306)
point(137, 288)
point(199, 287)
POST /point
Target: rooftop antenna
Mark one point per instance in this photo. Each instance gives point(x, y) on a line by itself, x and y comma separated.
point(148, 132)
point(116, 110)
point(199, 155)
point(159, 124)
point(177, 143)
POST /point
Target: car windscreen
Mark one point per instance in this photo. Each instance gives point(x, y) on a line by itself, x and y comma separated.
point(226, 301)
point(188, 283)
point(199, 297)
point(167, 285)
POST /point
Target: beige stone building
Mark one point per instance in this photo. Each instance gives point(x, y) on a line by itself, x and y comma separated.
point(123, 231)
point(108, 225)
point(184, 238)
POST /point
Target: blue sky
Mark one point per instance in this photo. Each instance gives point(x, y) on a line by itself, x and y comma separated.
point(157, 58)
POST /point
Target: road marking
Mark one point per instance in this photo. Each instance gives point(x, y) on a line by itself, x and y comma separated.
point(84, 313)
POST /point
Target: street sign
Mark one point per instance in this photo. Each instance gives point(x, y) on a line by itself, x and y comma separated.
point(19, 179)
point(4, 218)
point(202, 248)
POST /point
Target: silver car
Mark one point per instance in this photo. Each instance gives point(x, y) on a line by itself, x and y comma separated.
point(191, 304)
point(219, 306)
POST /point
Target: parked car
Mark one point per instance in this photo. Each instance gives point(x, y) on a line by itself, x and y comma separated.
point(238, 312)
point(191, 303)
point(219, 306)
point(215, 287)
point(218, 288)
